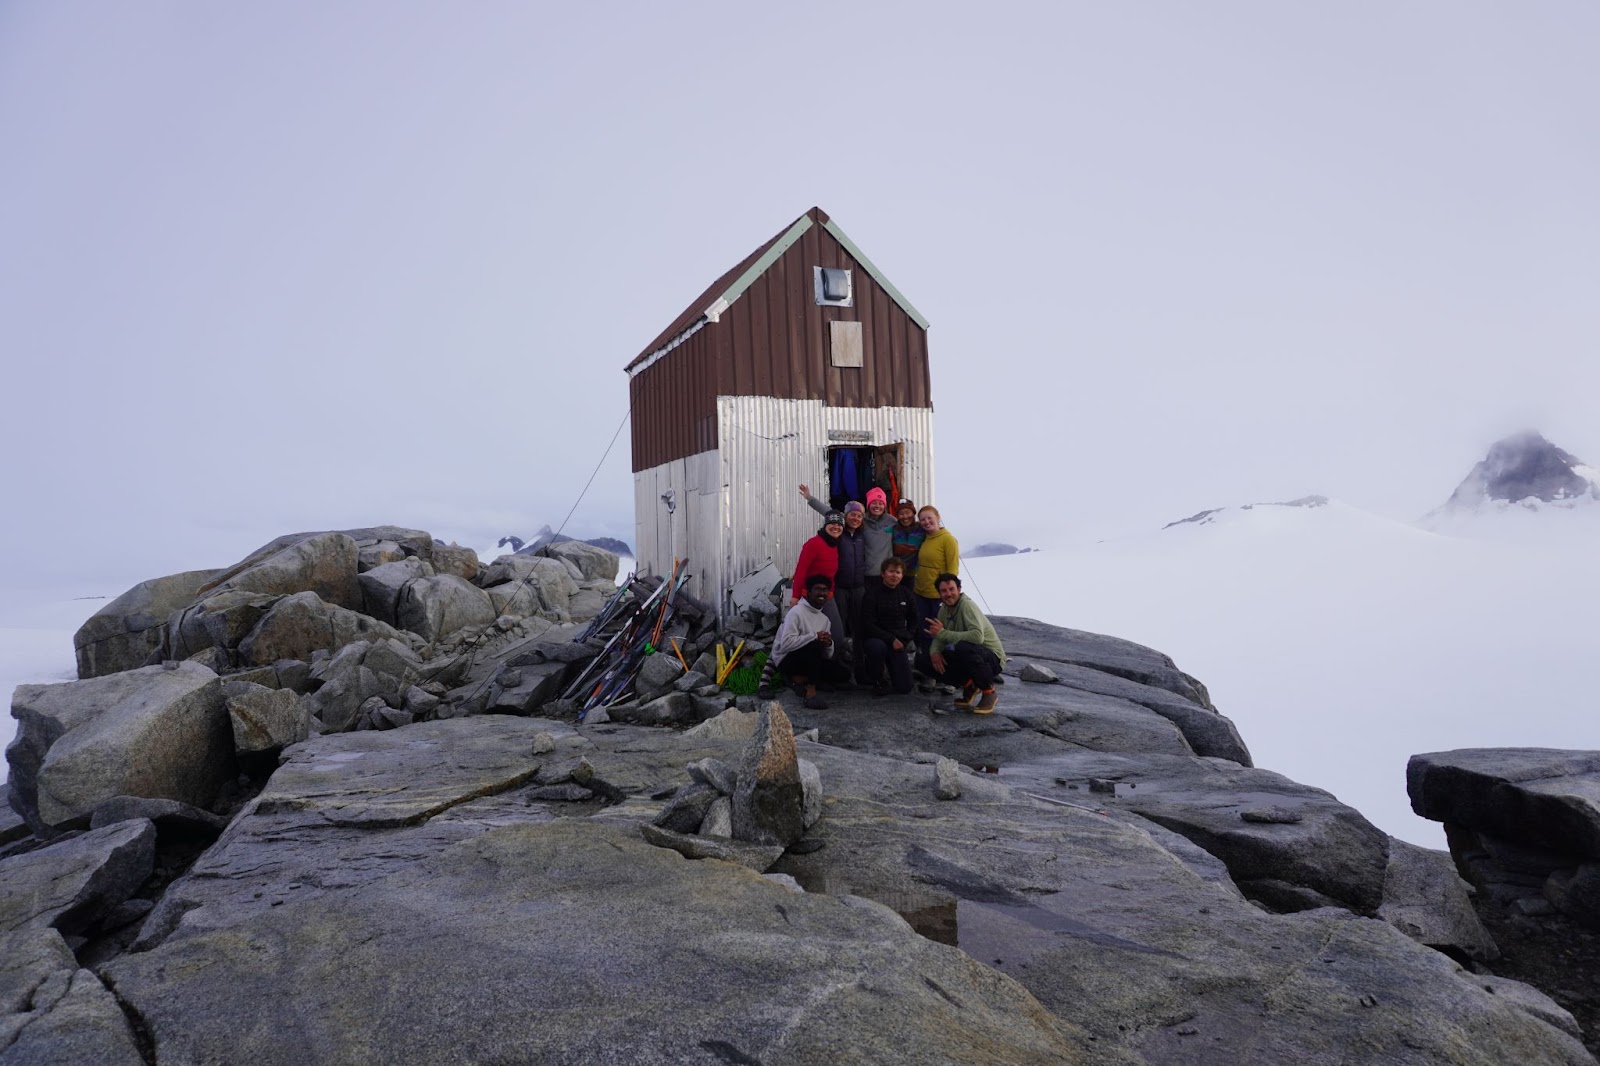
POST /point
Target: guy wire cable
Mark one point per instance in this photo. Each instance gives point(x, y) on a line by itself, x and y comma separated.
point(472, 661)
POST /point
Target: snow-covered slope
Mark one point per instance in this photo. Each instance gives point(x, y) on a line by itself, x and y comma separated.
point(1339, 641)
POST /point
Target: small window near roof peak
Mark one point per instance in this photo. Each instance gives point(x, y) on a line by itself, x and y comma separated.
point(833, 287)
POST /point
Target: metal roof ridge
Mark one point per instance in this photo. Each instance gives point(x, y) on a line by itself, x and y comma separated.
point(877, 275)
point(762, 265)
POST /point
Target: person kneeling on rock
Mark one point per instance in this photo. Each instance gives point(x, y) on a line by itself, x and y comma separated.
point(887, 631)
point(803, 648)
point(965, 650)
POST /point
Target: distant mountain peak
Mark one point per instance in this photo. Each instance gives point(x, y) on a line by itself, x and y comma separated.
point(1525, 470)
point(547, 536)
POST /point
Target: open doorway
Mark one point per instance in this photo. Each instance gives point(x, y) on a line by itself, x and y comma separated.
point(854, 470)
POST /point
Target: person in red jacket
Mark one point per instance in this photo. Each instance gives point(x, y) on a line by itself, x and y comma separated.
point(820, 556)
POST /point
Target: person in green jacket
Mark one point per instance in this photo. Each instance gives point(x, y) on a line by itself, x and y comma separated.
point(965, 649)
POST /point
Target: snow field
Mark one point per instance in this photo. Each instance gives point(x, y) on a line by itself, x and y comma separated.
point(1341, 643)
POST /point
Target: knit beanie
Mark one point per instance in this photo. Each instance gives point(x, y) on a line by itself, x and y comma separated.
point(878, 495)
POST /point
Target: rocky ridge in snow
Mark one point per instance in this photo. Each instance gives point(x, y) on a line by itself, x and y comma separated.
point(1522, 473)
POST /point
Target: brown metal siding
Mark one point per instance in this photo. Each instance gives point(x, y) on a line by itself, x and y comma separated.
point(674, 404)
point(774, 341)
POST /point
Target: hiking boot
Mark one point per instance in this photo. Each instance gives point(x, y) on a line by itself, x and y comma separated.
point(814, 703)
point(987, 704)
point(766, 692)
point(969, 697)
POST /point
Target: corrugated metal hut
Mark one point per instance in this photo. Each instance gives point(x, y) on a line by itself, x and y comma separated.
point(802, 363)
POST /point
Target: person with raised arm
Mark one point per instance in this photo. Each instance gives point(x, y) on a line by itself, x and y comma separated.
point(877, 527)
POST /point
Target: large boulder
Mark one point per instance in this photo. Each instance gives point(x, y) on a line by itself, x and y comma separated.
point(154, 732)
point(1521, 822)
point(173, 820)
point(124, 633)
point(454, 559)
point(531, 584)
point(356, 673)
point(382, 584)
point(769, 804)
point(265, 720)
point(435, 607)
point(592, 563)
point(52, 1011)
point(324, 563)
point(657, 675)
point(1425, 898)
point(220, 620)
point(1538, 797)
point(297, 625)
point(72, 883)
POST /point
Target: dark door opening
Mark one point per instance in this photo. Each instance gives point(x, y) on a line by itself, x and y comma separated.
point(853, 471)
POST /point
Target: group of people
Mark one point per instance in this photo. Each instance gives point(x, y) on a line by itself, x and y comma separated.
point(878, 596)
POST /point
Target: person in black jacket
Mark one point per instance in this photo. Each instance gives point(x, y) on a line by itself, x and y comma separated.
point(887, 631)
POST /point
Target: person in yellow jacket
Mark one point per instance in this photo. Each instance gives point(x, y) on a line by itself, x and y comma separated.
point(940, 554)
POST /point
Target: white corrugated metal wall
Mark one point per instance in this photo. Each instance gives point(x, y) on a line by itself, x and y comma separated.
point(694, 528)
point(740, 505)
point(770, 446)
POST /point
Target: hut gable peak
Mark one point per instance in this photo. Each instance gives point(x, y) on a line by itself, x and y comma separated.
point(722, 293)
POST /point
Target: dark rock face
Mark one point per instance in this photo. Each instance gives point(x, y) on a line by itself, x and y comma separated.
point(1084, 938)
point(1523, 823)
point(1524, 467)
point(73, 882)
point(1154, 680)
point(51, 1011)
point(1325, 854)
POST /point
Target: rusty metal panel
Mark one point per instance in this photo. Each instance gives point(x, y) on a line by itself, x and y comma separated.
point(673, 404)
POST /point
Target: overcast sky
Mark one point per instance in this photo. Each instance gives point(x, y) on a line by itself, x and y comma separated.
point(267, 267)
